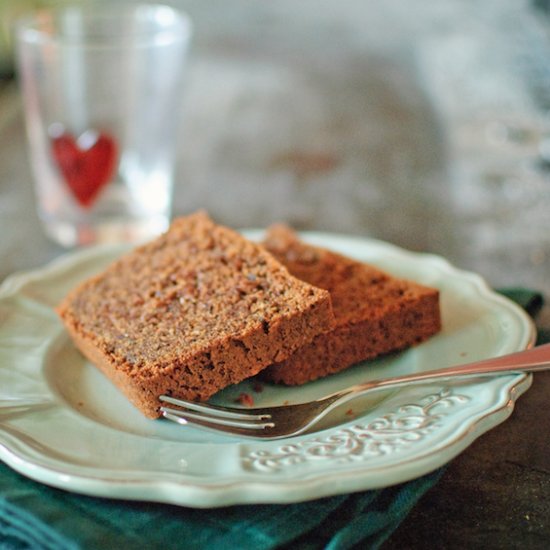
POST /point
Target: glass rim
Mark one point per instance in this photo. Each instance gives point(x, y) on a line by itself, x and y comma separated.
point(44, 25)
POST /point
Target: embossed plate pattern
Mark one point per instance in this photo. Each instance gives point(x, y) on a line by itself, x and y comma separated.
point(62, 423)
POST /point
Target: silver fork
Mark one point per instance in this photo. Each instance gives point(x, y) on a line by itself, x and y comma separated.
point(289, 420)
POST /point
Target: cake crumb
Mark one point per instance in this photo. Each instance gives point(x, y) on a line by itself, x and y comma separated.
point(245, 399)
point(258, 387)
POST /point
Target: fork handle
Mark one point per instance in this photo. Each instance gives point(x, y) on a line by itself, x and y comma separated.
point(530, 360)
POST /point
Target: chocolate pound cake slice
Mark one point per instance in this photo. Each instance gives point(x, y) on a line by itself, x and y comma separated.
point(375, 312)
point(192, 312)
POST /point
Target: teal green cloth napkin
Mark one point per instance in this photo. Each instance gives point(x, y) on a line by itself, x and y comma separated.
point(37, 517)
point(33, 516)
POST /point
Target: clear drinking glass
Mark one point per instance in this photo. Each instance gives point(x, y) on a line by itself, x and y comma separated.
point(102, 95)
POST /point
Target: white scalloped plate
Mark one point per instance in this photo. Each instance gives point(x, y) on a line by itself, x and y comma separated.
point(64, 424)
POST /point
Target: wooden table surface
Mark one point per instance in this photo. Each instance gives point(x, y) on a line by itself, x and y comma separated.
point(425, 126)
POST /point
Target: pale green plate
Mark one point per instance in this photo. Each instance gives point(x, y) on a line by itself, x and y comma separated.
point(64, 424)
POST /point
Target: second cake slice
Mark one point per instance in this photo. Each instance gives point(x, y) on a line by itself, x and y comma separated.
point(375, 312)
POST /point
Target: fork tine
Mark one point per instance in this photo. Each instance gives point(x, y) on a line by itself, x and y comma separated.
point(182, 416)
point(213, 410)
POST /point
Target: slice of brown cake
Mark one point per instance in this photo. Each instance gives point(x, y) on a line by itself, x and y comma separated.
point(192, 312)
point(375, 312)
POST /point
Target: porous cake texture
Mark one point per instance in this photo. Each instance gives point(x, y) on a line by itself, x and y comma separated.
point(192, 312)
point(375, 312)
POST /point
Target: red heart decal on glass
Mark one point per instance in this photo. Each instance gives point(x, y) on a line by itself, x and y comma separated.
point(87, 163)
